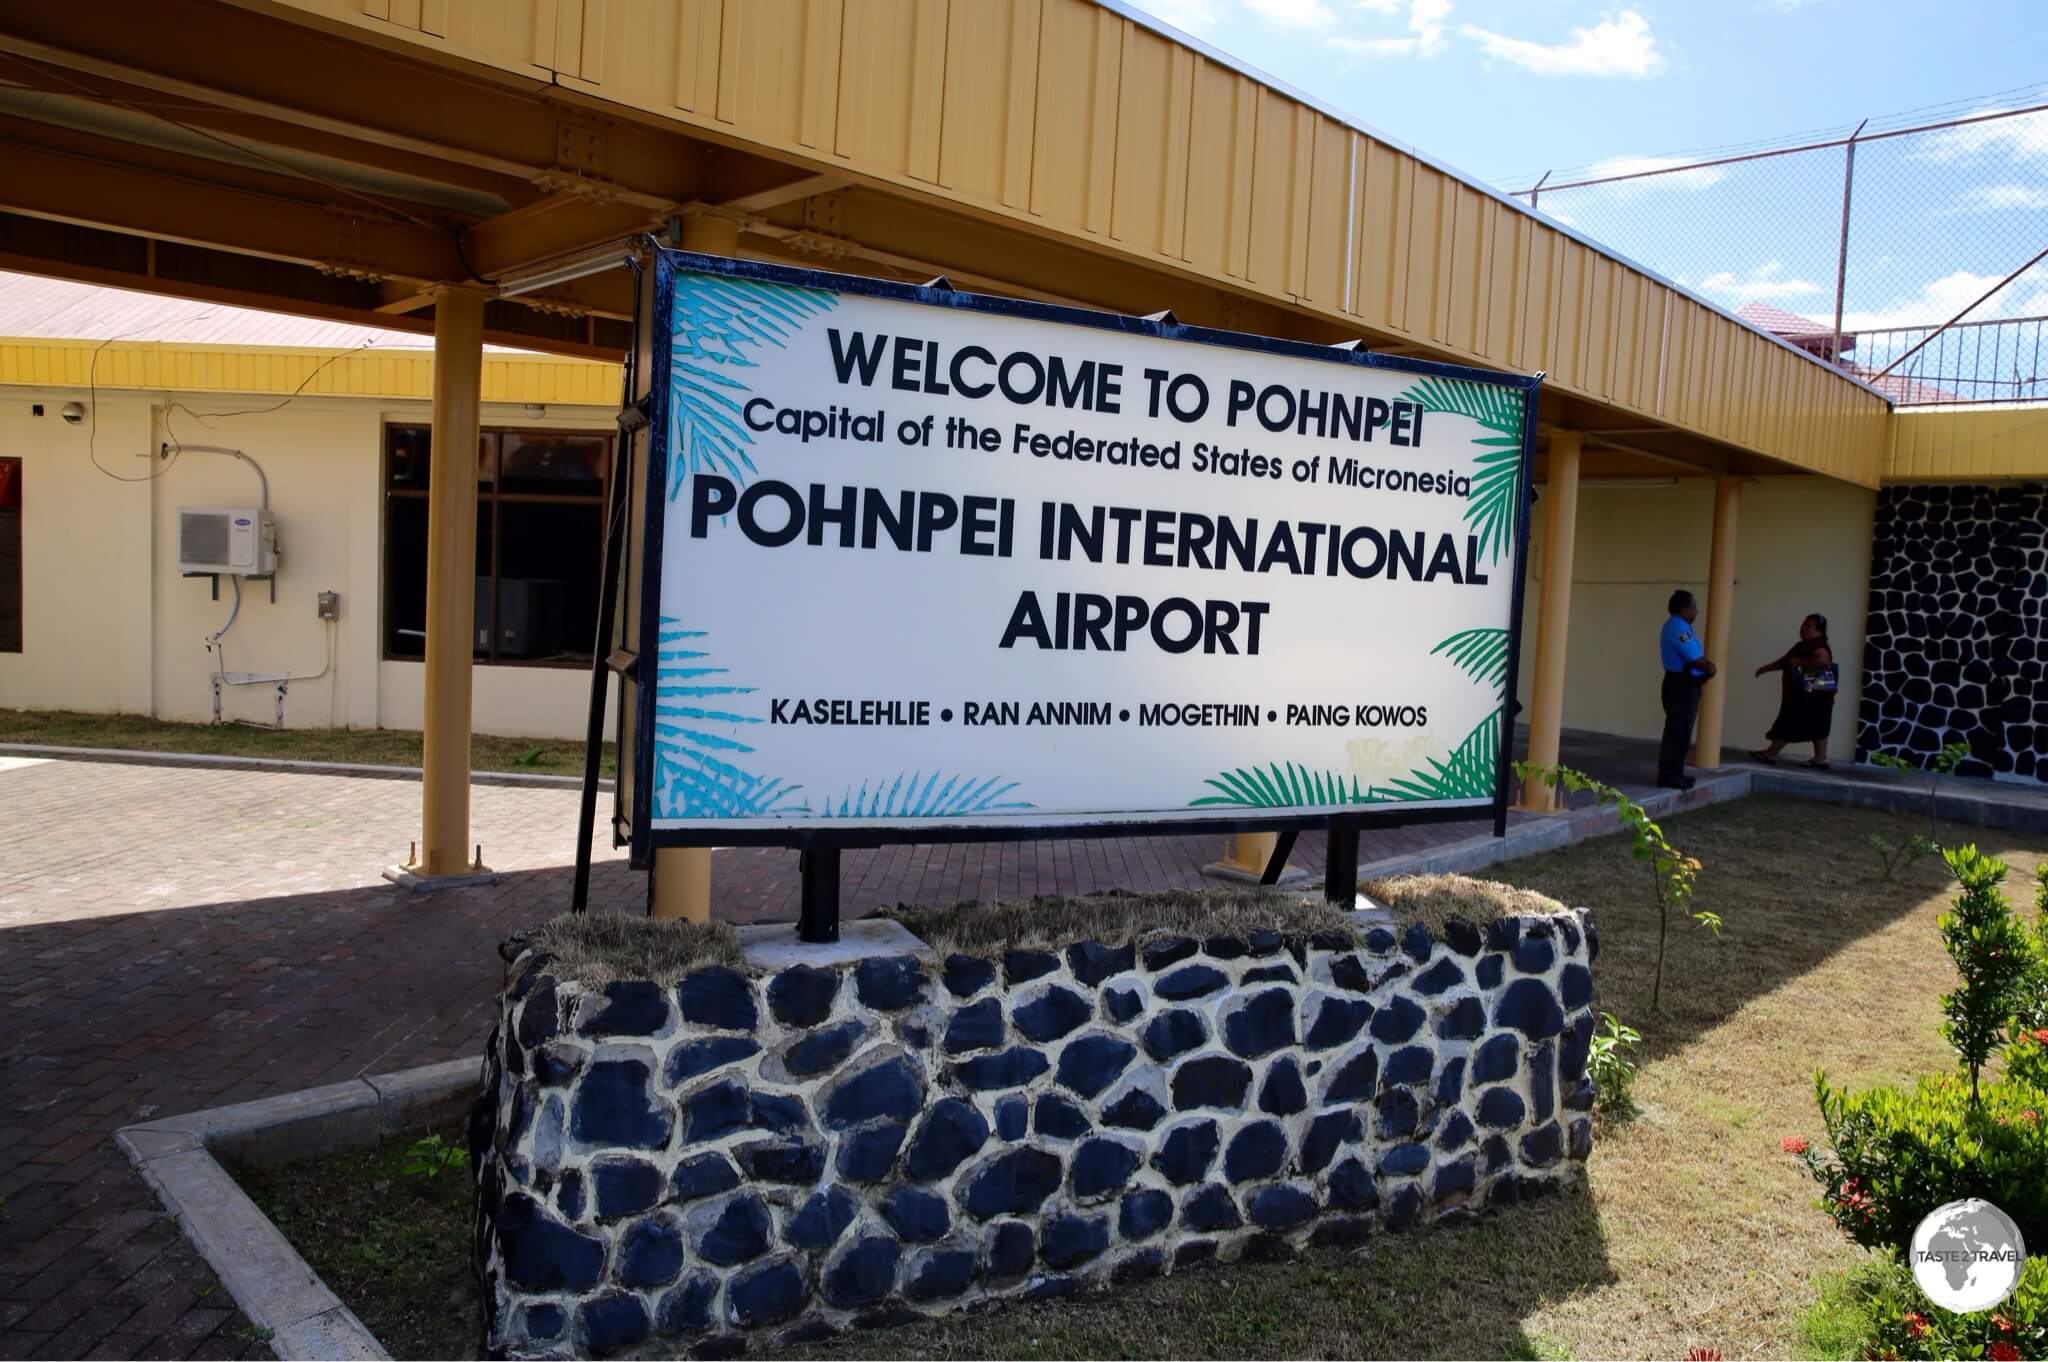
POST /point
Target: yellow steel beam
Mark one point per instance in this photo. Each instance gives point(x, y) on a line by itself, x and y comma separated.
point(553, 226)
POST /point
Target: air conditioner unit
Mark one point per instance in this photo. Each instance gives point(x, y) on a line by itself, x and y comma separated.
point(238, 542)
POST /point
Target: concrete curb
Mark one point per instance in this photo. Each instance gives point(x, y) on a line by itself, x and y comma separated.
point(1958, 802)
point(123, 756)
point(273, 1285)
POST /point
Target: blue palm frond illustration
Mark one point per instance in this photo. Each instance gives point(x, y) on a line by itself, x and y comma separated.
point(1467, 774)
point(696, 768)
point(715, 322)
point(924, 796)
point(1481, 654)
point(1497, 472)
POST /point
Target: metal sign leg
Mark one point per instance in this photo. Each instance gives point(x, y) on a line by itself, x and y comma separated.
point(1340, 873)
point(818, 917)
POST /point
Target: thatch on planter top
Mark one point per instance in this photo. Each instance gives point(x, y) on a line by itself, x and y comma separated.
point(1433, 900)
point(1119, 919)
point(599, 948)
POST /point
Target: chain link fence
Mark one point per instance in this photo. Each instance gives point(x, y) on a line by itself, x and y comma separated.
point(1912, 250)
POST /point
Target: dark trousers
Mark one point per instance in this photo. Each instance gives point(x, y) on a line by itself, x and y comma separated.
point(1681, 707)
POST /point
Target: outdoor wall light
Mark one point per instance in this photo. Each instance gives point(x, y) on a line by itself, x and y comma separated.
point(74, 412)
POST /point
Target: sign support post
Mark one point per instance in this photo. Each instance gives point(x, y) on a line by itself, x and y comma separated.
point(818, 906)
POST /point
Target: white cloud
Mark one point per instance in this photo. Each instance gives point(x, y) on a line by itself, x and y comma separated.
point(1995, 198)
point(1381, 6)
point(2022, 137)
point(1765, 282)
point(1620, 46)
point(1189, 16)
point(1425, 33)
point(1940, 299)
point(1293, 13)
point(1655, 172)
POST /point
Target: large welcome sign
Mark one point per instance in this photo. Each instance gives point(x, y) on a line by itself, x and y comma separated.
point(917, 562)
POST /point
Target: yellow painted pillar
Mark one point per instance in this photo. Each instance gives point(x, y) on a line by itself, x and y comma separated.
point(451, 581)
point(1249, 851)
point(1553, 613)
point(681, 886)
point(1720, 610)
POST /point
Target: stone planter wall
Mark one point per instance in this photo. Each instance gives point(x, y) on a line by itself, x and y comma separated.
point(663, 1169)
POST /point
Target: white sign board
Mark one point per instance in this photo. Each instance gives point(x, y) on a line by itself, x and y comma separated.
point(989, 564)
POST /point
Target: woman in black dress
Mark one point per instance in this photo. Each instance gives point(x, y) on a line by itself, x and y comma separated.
point(1803, 715)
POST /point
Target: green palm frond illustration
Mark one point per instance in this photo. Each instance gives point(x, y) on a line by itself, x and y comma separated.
point(715, 322)
point(1481, 654)
point(1281, 786)
point(1468, 774)
point(1496, 473)
point(921, 796)
point(695, 770)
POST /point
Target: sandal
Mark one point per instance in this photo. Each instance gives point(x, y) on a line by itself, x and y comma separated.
point(1763, 757)
point(1816, 765)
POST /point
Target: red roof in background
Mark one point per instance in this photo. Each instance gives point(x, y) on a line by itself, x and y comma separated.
point(1779, 322)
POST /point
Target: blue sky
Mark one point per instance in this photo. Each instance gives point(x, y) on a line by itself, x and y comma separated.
point(1504, 89)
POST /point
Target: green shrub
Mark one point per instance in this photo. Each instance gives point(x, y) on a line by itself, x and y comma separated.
point(1612, 1072)
point(1905, 1324)
point(1992, 952)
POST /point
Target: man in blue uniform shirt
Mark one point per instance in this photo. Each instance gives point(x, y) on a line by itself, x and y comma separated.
point(1686, 669)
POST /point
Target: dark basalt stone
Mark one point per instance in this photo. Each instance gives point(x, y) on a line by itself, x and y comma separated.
point(651, 1252)
point(1535, 954)
point(1580, 1141)
point(1190, 981)
point(1349, 973)
point(1466, 1020)
point(702, 1176)
point(1398, 1111)
point(1450, 1081)
point(1416, 943)
point(1021, 967)
point(1174, 1033)
point(978, 1026)
point(1326, 1134)
point(1495, 1153)
point(1502, 934)
point(540, 1016)
point(569, 1195)
point(1542, 1083)
point(1527, 1006)
point(1404, 1160)
point(822, 1220)
point(780, 1111)
point(1282, 1207)
point(1211, 1081)
point(863, 1273)
point(1187, 1152)
point(1355, 1078)
point(717, 997)
point(1167, 952)
point(1122, 1004)
point(1488, 972)
point(951, 1131)
point(715, 1110)
point(1501, 1109)
point(633, 1007)
point(1014, 1182)
point(1543, 1145)
point(1352, 1187)
point(624, 1186)
point(1052, 1015)
point(696, 1057)
point(802, 995)
point(1264, 942)
point(540, 1253)
point(1379, 940)
point(1338, 1021)
point(1574, 1047)
point(1225, 948)
point(1060, 1119)
point(1441, 977)
point(1260, 1024)
point(1101, 1167)
point(768, 1294)
point(556, 1065)
point(1582, 1096)
point(917, 1216)
point(1499, 1058)
point(613, 1107)
point(914, 1034)
point(1013, 1117)
point(1142, 1214)
point(1268, 974)
point(739, 1232)
point(1092, 1063)
point(1256, 1151)
point(613, 1323)
point(824, 1050)
point(967, 975)
point(1282, 1094)
point(1344, 1231)
point(545, 1321)
point(1455, 1133)
point(1141, 1266)
point(1575, 986)
point(1400, 1019)
point(772, 1161)
point(1092, 963)
point(1135, 1110)
point(1569, 932)
point(1463, 937)
point(1409, 1064)
point(1051, 1286)
point(1011, 1068)
point(1210, 1210)
point(936, 1274)
point(889, 983)
point(1404, 1208)
point(889, 1087)
point(1010, 1250)
point(868, 1154)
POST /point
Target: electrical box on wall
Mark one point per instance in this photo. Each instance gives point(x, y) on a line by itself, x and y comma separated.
point(240, 542)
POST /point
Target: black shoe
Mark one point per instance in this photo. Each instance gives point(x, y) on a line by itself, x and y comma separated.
point(1682, 783)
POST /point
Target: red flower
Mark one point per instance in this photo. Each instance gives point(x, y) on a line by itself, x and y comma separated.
point(2002, 1324)
point(1916, 1324)
point(2040, 1035)
point(2002, 1351)
point(1792, 1144)
point(1699, 1354)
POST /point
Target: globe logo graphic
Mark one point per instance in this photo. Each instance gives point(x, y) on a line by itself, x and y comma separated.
point(1967, 1255)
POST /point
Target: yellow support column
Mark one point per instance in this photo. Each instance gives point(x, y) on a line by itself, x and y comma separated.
point(1553, 613)
point(681, 885)
point(1720, 609)
point(451, 582)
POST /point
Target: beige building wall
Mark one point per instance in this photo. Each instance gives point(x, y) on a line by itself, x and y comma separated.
point(1802, 545)
point(110, 626)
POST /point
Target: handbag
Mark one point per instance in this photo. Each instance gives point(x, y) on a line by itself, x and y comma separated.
point(1823, 680)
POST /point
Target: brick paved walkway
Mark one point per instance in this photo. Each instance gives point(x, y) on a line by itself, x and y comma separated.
point(172, 939)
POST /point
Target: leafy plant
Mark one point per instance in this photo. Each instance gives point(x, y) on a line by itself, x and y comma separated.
point(1612, 1071)
point(1992, 952)
point(529, 758)
point(1942, 763)
point(431, 1157)
point(2031, 1014)
point(1877, 1310)
point(1895, 860)
point(1673, 874)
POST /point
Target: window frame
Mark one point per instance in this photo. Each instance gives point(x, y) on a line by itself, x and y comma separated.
point(14, 641)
